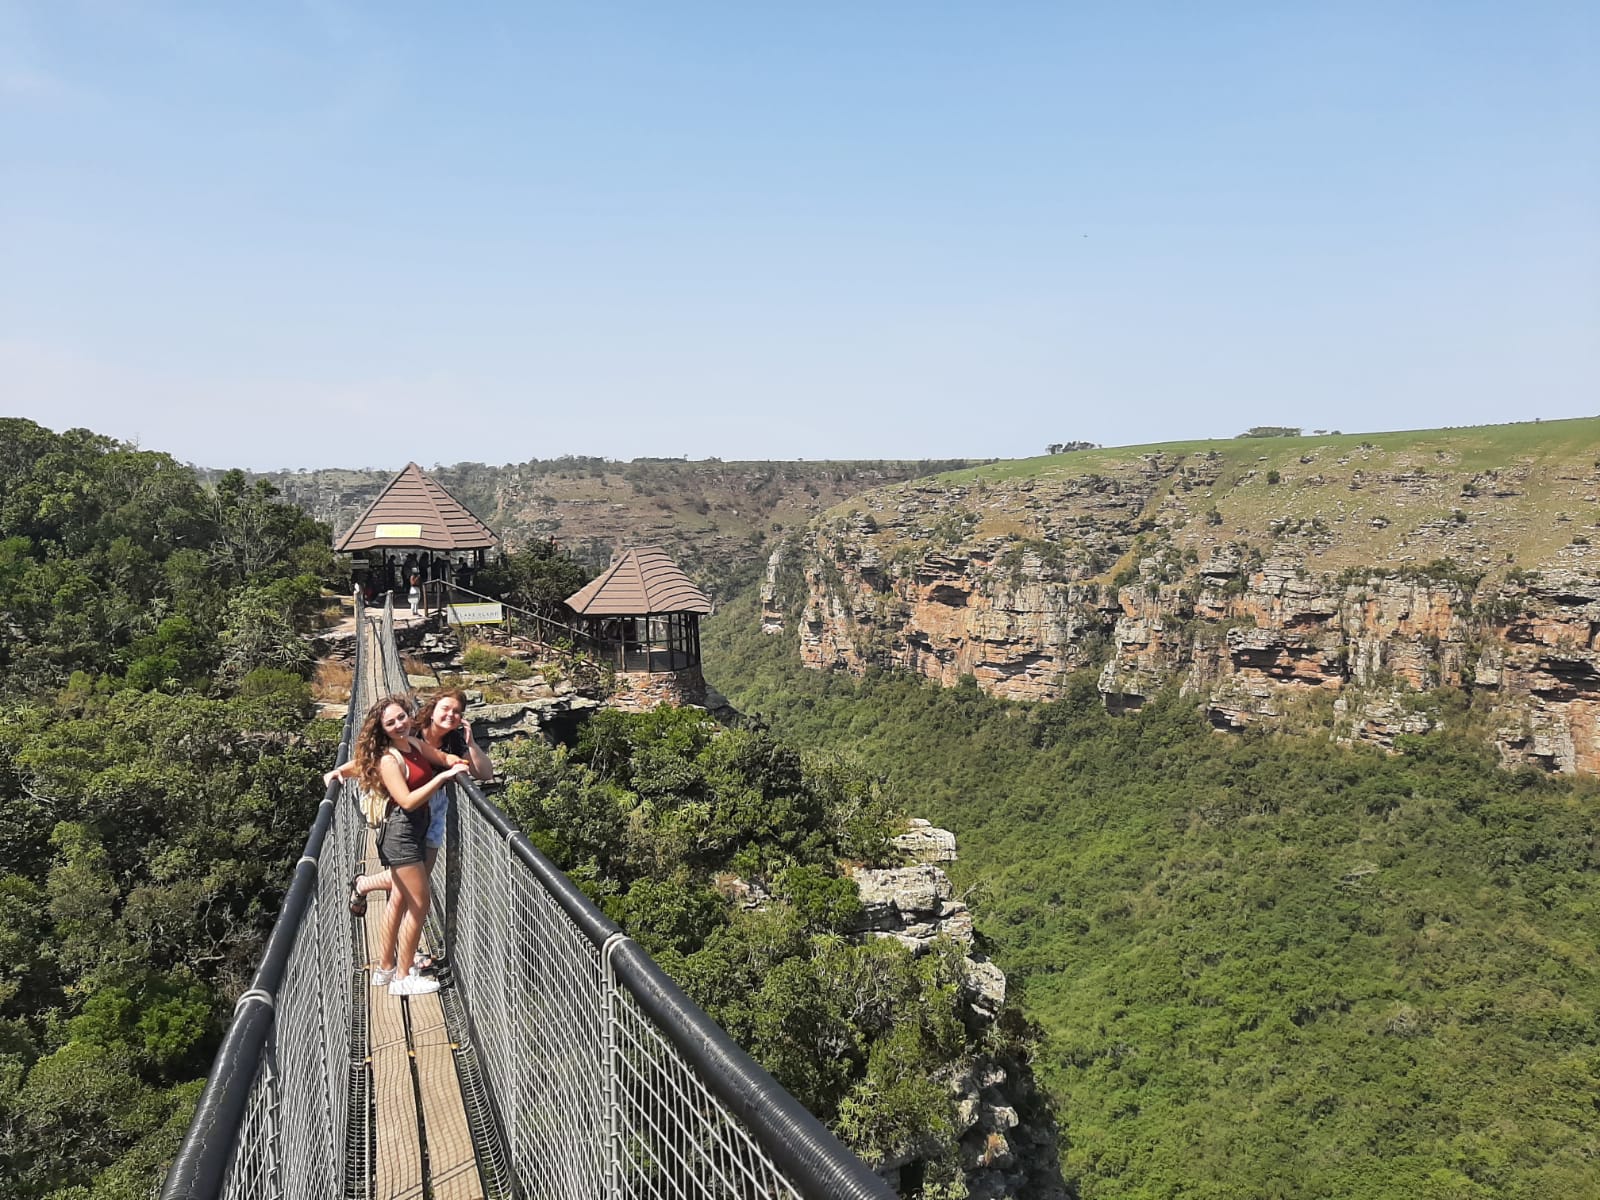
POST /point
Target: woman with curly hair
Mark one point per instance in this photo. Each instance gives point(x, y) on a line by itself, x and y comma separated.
point(440, 724)
point(406, 772)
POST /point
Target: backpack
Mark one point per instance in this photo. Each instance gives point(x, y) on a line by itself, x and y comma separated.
point(375, 805)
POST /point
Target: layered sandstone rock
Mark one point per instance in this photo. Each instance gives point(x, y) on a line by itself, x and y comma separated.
point(1373, 583)
point(1545, 671)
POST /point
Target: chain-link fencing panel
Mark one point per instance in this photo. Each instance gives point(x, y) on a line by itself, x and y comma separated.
point(608, 1080)
point(270, 1123)
point(674, 1137)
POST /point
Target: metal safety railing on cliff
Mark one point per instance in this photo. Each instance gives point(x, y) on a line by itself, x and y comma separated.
point(604, 1079)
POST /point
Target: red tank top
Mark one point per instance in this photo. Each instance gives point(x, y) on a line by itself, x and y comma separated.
point(418, 769)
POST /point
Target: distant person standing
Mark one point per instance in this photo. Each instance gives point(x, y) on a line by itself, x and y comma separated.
point(414, 596)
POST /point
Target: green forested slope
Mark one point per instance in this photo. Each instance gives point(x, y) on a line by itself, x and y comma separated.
point(1264, 965)
point(159, 769)
point(655, 815)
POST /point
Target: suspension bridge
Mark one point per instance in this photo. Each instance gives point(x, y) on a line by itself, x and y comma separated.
point(559, 1061)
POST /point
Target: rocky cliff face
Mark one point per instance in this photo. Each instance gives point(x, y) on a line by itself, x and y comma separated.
point(1007, 1137)
point(1370, 576)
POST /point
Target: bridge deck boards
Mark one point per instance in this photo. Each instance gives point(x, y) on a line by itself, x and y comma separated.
point(372, 657)
point(453, 1169)
point(409, 1066)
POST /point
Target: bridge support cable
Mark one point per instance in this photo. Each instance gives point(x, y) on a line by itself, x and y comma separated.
point(585, 1071)
point(393, 672)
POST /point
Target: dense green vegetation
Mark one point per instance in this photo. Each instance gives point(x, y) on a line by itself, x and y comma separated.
point(664, 817)
point(538, 578)
point(158, 772)
point(1265, 965)
point(116, 562)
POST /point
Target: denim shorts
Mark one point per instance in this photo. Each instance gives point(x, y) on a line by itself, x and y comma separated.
point(400, 837)
point(438, 806)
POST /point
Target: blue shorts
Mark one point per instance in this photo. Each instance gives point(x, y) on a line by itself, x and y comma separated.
point(438, 806)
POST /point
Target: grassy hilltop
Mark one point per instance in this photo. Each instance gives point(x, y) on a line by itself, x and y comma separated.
point(1476, 447)
point(1485, 495)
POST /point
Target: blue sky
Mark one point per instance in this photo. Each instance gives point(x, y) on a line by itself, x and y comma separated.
point(325, 234)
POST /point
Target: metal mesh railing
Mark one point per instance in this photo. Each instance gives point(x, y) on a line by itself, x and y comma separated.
point(609, 1081)
point(393, 672)
point(271, 1120)
point(605, 1080)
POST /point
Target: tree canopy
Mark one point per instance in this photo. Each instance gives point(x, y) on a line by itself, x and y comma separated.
point(1264, 964)
point(158, 773)
point(119, 563)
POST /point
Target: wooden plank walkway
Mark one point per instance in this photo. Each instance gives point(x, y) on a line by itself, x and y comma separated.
point(424, 1147)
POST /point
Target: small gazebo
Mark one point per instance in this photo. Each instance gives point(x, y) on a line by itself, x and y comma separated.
point(415, 526)
point(643, 613)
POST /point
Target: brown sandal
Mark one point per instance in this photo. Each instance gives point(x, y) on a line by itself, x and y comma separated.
point(358, 902)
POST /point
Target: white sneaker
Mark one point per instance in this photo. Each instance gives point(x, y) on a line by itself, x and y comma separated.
point(382, 976)
point(413, 985)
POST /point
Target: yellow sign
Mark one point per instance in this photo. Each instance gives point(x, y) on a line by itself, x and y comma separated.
point(476, 614)
point(397, 531)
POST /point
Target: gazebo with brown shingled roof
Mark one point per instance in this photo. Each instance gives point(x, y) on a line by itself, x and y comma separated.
point(643, 612)
point(415, 525)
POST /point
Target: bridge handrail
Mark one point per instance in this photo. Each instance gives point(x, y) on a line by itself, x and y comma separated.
point(201, 1165)
point(801, 1145)
point(576, 636)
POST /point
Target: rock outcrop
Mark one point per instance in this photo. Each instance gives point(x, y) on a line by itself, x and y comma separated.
point(912, 905)
point(1008, 1145)
point(546, 702)
point(1007, 1138)
point(1368, 578)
